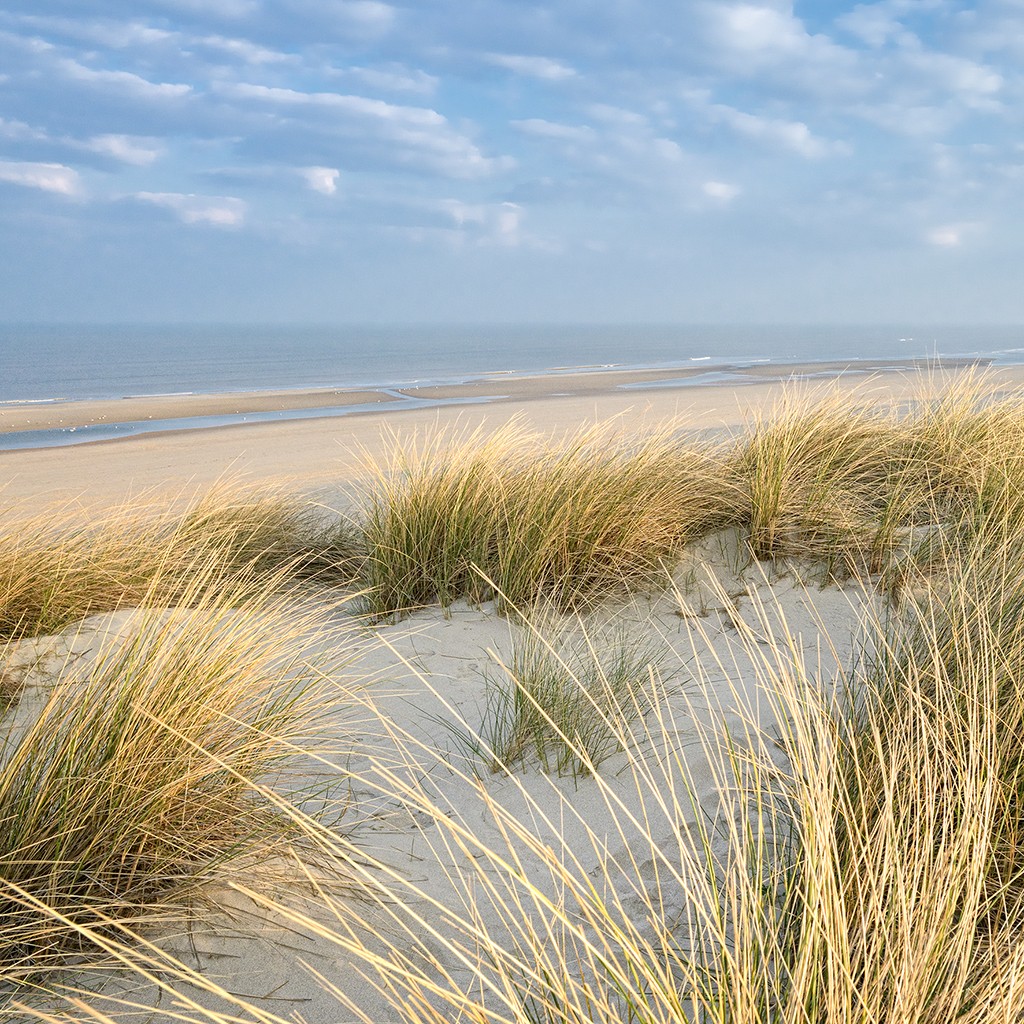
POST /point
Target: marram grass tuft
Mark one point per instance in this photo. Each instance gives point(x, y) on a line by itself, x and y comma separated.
point(133, 780)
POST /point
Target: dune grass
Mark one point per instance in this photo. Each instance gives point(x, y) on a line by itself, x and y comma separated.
point(864, 864)
point(566, 696)
point(848, 481)
point(522, 518)
point(66, 562)
point(134, 780)
point(861, 878)
point(838, 478)
point(815, 473)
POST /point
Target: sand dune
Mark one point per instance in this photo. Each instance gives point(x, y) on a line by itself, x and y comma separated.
point(411, 689)
point(447, 847)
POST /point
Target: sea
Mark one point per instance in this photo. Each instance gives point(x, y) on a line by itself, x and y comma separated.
point(56, 363)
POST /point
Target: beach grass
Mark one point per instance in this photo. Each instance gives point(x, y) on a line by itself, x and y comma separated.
point(871, 874)
point(133, 778)
point(844, 480)
point(524, 518)
point(816, 472)
point(66, 562)
point(566, 697)
point(859, 861)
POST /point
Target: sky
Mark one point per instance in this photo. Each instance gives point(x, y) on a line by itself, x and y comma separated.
point(463, 161)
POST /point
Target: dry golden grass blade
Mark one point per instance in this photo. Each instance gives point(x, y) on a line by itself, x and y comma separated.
point(567, 520)
point(134, 779)
point(66, 562)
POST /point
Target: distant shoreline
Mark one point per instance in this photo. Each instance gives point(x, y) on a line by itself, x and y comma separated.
point(54, 423)
point(328, 455)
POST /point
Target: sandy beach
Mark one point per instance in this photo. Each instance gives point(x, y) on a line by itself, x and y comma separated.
point(402, 698)
point(511, 512)
point(16, 417)
point(415, 804)
point(317, 451)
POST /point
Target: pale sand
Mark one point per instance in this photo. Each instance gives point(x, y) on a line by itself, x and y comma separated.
point(407, 677)
point(315, 452)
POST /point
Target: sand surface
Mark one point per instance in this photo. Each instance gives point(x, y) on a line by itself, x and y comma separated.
point(404, 693)
point(17, 417)
point(317, 452)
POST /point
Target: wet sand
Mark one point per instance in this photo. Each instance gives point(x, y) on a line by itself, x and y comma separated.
point(319, 451)
point(17, 417)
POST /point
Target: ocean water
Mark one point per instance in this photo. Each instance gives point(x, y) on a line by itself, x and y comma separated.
point(47, 363)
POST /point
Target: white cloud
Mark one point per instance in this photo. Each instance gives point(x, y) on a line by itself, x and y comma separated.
point(622, 146)
point(759, 29)
point(48, 177)
point(27, 44)
point(129, 149)
point(764, 34)
point(125, 81)
point(993, 28)
point(219, 211)
point(368, 13)
point(363, 18)
point(394, 79)
point(537, 126)
point(967, 79)
point(421, 134)
point(245, 50)
point(21, 132)
point(911, 119)
point(929, 93)
point(117, 35)
point(720, 191)
point(321, 179)
point(134, 36)
point(123, 35)
point(618, 115)
point(946, 237)
point(219, 8)
point(951, 236)
point(751, 40)
point(360, 105)
point(874, 24)
point(532, 67)
point(493, 223)
point(794, 135)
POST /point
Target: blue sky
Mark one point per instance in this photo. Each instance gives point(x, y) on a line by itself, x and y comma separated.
point(505, 160)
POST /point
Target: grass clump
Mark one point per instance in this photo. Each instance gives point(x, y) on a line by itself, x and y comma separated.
point(961, 635)
point(134, 780)
point(64, 563)
point(821, 475)
point(525, 519)
point(831, 477)
point(969, 435)
point(567, 695)
point(855, 483)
